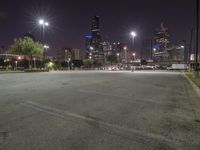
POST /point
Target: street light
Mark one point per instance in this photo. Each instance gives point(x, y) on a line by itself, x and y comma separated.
point(45, 49)
point(133, 34)
point(118, 57)
point(19, 58)
point(91, 48)
point(66, 55)
point(16, 62)
point(46, 46)
point(133, 54)
point(44, 24)
point(69, 60)
point(34, 59)
point(125, 52)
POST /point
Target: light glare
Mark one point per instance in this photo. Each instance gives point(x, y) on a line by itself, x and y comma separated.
point(41, 21)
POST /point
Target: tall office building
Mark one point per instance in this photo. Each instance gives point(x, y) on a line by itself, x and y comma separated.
point(161, 43)
point(161, 38)
point(67, 54)
point(94, 44)
point(147, 49)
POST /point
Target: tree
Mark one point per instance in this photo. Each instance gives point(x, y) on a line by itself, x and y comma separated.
point(111, 58)
point(143, 62)
point(88, 62)
point(26, 46)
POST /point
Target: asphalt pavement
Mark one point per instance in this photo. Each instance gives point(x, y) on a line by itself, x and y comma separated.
point(98, 110)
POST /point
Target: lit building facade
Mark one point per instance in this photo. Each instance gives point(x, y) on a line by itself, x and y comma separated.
point(94, 44)
point(68, 54)
point(160, 44)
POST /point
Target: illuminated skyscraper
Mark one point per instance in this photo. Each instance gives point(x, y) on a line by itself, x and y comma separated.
point(161, 39)
point(161, 44)
point(94, 44)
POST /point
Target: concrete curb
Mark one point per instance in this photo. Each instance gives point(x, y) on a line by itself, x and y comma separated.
point(194, 86)
point(196, 103)
point(6, 72)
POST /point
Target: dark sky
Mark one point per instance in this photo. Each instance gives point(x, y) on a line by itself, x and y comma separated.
point(70, 20)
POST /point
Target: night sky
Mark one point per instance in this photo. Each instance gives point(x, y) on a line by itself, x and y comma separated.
point(70, 20)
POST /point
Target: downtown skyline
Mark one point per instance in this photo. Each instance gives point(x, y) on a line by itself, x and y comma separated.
point(71, 20)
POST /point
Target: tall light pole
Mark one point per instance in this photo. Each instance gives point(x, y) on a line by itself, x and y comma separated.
point(44, 24)
point(16, 62)
point(46, 47)
point(133, 54)
point(133, 35)
point(34, 59)
point(66, 55)
point(125, 53)
point(118, 59)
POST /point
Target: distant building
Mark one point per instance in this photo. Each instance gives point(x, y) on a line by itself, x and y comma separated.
point(94, 42)
point(160, 44)
point(68, 54)
point(107, 47)
point(147, 49)
point(88, 39)
point(176, 54)
point(121, 50)
point(118, 47)
point(2, 49)
point(161, 38)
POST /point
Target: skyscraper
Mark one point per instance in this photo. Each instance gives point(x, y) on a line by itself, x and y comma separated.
point(161, 39)
point(161, 43)
point(95, 49)
point(147, 49)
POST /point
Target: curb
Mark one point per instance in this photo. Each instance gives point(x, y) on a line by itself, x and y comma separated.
point(195, 102)
point(7, 72)
point(194, 86)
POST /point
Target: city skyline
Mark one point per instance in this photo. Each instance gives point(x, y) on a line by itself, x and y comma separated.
point(132, 15)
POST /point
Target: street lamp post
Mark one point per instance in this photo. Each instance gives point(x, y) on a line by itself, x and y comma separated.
point(134, 54)
point(133, 34)
point(69, 60)
point(118, 59)
point(44, 24)
point(125, 53)
point(133, 67)
point(46, 47)
point(16, 62)
point(65, 55)
point(34, 59)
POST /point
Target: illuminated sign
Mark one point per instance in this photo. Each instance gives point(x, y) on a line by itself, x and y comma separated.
point(88, 36)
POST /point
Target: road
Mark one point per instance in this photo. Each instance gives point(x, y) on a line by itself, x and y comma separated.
point(94, 110)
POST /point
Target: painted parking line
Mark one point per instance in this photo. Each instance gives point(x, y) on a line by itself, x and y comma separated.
point(140, 135)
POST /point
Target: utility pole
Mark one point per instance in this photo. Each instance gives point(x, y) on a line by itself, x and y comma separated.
point(190, 46)
point(151, 41)
point(196, 72)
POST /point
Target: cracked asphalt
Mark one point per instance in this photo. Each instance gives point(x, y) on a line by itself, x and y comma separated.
point(98, 110)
